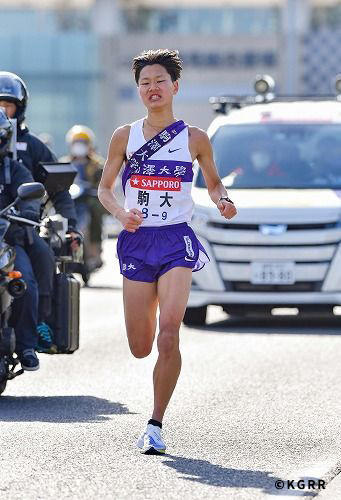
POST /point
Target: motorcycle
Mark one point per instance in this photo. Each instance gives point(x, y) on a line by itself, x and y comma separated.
point(80, 191)
point(64, 319)
point(12, 286)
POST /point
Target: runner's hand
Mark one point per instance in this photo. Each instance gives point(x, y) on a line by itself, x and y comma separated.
point(226, 209)
point(131, 220)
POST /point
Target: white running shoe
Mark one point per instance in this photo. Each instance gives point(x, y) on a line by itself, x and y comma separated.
point(150, 442)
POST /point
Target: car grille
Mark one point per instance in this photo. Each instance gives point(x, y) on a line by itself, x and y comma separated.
point(290, 227)
point(310, 246)
point(300, 286)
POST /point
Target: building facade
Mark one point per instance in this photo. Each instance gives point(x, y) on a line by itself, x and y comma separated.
point(75, 56)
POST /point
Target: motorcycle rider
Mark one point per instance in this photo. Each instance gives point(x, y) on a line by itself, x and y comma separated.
point(30, 151)
point(81, 143)
point(24, 310)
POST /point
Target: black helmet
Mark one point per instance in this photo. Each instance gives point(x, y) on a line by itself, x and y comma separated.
point(13, 89)
point(6, 131)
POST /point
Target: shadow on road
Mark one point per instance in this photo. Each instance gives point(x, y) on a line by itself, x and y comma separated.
point(204, 472)
point(61, 409)
point(276, 325)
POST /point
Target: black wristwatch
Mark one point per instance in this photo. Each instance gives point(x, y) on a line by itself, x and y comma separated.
point(226, 198)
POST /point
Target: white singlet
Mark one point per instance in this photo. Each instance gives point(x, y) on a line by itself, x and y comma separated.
point(161, 187)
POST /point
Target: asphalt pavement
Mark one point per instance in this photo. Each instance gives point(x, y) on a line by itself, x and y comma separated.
point(257, 402)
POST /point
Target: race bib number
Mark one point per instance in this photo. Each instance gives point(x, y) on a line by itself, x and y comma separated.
point(159, 189)
point(156, 202)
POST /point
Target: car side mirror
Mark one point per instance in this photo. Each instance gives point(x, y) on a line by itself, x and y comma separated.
point(31, 191)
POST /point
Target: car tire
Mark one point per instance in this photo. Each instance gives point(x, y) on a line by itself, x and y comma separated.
point(195, 316)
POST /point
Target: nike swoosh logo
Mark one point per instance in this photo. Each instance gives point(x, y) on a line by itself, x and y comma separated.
point(173, 150)
point(189, 260)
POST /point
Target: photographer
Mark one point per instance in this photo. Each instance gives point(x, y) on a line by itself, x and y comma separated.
point(31, 151)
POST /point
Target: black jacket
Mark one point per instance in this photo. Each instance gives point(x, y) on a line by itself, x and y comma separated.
point(12, 175)
point(31, 151)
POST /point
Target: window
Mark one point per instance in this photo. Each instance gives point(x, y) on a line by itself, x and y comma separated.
point(277, 156)
point(205, 21)
point(329, 17)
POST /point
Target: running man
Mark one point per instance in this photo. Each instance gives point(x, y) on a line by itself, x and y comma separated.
point(157, 249)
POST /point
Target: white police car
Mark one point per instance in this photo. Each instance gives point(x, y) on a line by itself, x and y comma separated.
point(280, 159)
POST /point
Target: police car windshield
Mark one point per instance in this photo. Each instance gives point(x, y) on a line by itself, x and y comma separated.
point(278, 155)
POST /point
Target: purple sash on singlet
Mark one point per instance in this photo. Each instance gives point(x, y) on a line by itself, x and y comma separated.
point(140, 156)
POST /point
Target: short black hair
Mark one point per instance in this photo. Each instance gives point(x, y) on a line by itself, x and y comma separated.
point(169, 59)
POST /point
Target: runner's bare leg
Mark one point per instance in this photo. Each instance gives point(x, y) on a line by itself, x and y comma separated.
point(140, 305)
point(173, 291)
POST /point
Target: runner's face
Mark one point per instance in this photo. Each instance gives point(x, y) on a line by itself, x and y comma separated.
point(156, 87)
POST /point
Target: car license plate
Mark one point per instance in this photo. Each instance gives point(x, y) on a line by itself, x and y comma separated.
point(272, 273)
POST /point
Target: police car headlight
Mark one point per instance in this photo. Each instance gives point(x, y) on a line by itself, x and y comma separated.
point(264, 84)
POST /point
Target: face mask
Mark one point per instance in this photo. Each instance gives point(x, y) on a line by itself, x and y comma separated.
point(260, 160)
point(79, 149)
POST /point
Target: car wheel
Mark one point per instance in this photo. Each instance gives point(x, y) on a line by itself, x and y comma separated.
point(195, 316)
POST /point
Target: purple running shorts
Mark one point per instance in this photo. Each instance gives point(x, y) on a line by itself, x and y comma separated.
point(150, 252)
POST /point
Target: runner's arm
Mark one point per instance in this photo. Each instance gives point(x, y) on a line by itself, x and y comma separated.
point(116, 156)
point(203, 152)
point(112, 167)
